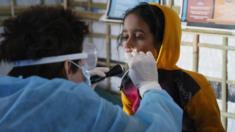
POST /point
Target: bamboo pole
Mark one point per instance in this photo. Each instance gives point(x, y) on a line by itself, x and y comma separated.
point(209, 31)
point(211, 46)
point(195, 52)
point(65, 4)
point(170, 3)
point(224, 83)
point(108, 44)
point(227, 114)
point(108, 50)
point(12, 4)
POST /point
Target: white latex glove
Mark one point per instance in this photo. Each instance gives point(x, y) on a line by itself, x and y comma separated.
point(127, 56)
point(143, 71)
point(99, 71)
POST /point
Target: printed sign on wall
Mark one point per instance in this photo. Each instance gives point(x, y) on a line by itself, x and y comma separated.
point(209, 13)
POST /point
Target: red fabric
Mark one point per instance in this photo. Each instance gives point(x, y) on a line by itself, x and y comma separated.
point(131, 92)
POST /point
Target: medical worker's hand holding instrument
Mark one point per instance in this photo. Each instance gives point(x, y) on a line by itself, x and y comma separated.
point(100, 73)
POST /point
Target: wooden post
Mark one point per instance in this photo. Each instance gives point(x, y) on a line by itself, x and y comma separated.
point(195, 52)
point(170, 3)
point(13, 3)
point(224, 82)
point(65, 4)
point(108, 50)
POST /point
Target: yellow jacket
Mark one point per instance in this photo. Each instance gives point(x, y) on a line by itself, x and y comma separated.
point(190, 90)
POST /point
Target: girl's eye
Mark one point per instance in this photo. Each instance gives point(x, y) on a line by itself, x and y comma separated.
point(139, 37)
point(124, 37)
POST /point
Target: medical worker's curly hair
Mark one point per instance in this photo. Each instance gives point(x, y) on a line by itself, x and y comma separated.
point(41, 31)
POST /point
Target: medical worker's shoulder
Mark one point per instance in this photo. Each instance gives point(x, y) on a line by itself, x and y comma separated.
point(57, 84)
point(39, 84)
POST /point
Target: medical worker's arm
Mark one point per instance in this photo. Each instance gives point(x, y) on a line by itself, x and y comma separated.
point(36, 104)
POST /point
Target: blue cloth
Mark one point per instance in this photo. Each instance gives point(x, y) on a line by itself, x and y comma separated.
point(37, 104)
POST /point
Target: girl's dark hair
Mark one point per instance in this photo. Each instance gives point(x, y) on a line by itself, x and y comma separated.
point(153, 17)
point(38, 32)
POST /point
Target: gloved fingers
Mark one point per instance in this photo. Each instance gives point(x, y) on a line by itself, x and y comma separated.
point(128, 56)
point(103, 69)
point(134, 52)
point(100, 71)
point(141, 53)
point(131, 58)
point(136, 57)
point(150, 55)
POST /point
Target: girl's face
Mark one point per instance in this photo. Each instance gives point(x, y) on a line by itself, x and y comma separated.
point(136, 35)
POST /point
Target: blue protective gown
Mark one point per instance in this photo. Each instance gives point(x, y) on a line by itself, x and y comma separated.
point(37, 104)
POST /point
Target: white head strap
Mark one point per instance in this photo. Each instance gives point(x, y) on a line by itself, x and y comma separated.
point(53, 59)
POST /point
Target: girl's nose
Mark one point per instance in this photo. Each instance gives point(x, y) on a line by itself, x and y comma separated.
point(129, 45)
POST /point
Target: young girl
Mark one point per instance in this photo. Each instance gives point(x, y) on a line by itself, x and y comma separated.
point(157, 28)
